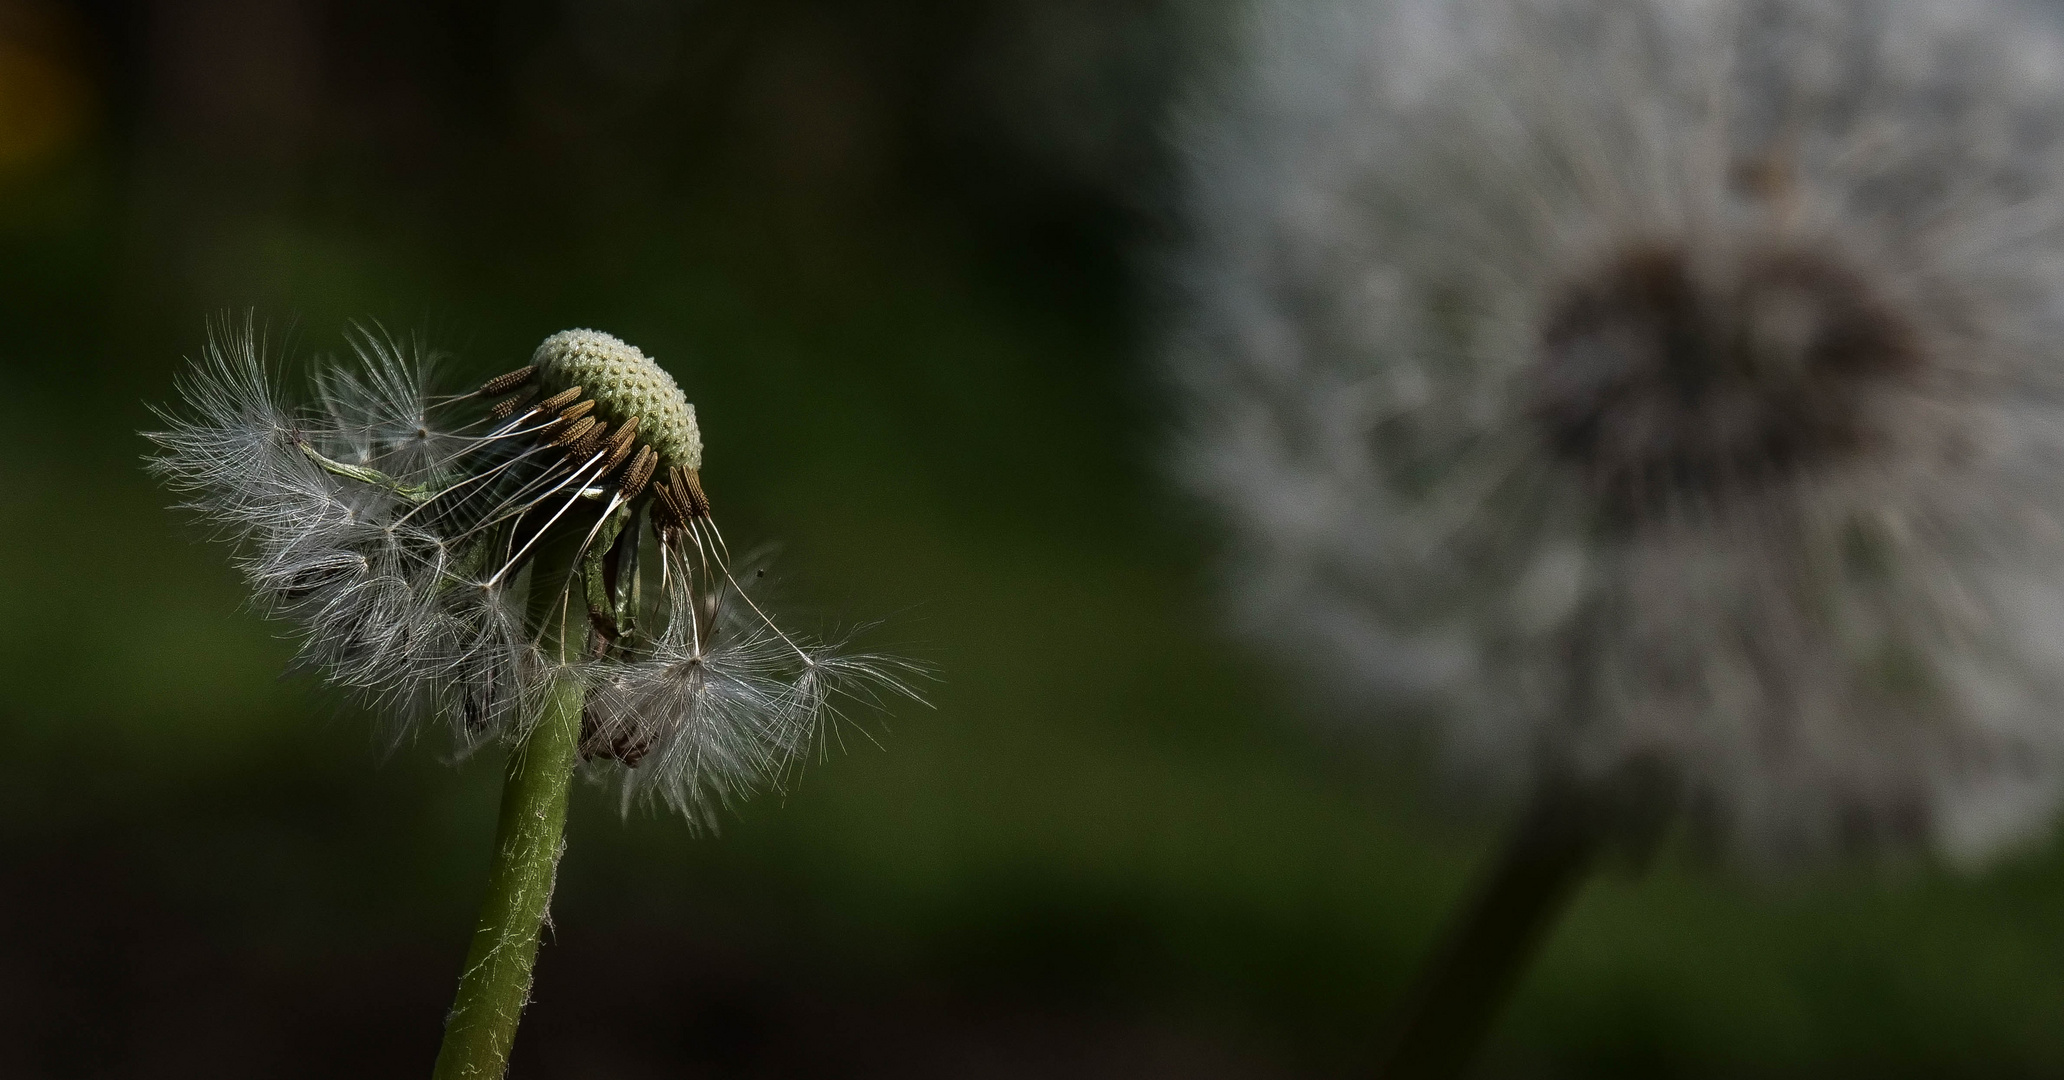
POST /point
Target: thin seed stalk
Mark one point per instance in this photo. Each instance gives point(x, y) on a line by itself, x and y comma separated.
point(496, 983)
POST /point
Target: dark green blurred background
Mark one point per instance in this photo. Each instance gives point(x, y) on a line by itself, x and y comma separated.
point(899, 253)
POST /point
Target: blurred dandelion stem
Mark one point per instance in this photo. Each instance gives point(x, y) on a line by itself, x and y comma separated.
point(496, 983)
point(1461, 991)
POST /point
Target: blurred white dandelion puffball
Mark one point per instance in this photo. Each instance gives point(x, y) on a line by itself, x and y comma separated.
point(1662, 383)
point(451, 557)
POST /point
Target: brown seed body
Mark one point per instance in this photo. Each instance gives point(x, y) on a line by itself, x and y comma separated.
point(667, 506)
point(639, 472)
point(591, 442)
point(502, 384)
point(507, 407)
point(688, 482)
point(620, 446)
point(560, 400)
point(574, 433)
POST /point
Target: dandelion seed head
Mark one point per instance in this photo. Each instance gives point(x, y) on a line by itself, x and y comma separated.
point(401, 529)
point(1660, 384)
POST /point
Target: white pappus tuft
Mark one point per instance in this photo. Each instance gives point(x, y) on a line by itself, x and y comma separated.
point(449, 557)
point(1654, 383)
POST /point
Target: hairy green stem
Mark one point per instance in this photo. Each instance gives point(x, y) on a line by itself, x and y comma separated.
point(496, 982)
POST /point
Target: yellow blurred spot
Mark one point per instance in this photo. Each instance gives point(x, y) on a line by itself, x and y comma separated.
point(44, 97)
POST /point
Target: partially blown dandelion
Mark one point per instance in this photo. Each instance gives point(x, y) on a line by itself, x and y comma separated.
point(484, 561)
point(1652, 387)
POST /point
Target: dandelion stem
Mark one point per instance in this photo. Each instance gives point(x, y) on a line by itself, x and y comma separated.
point(496, 982)
point(1462, 989)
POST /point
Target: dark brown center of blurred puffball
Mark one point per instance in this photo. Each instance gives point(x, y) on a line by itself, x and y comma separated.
point(1673, 379)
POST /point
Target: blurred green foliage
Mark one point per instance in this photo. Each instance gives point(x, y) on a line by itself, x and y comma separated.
point(920, 339)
